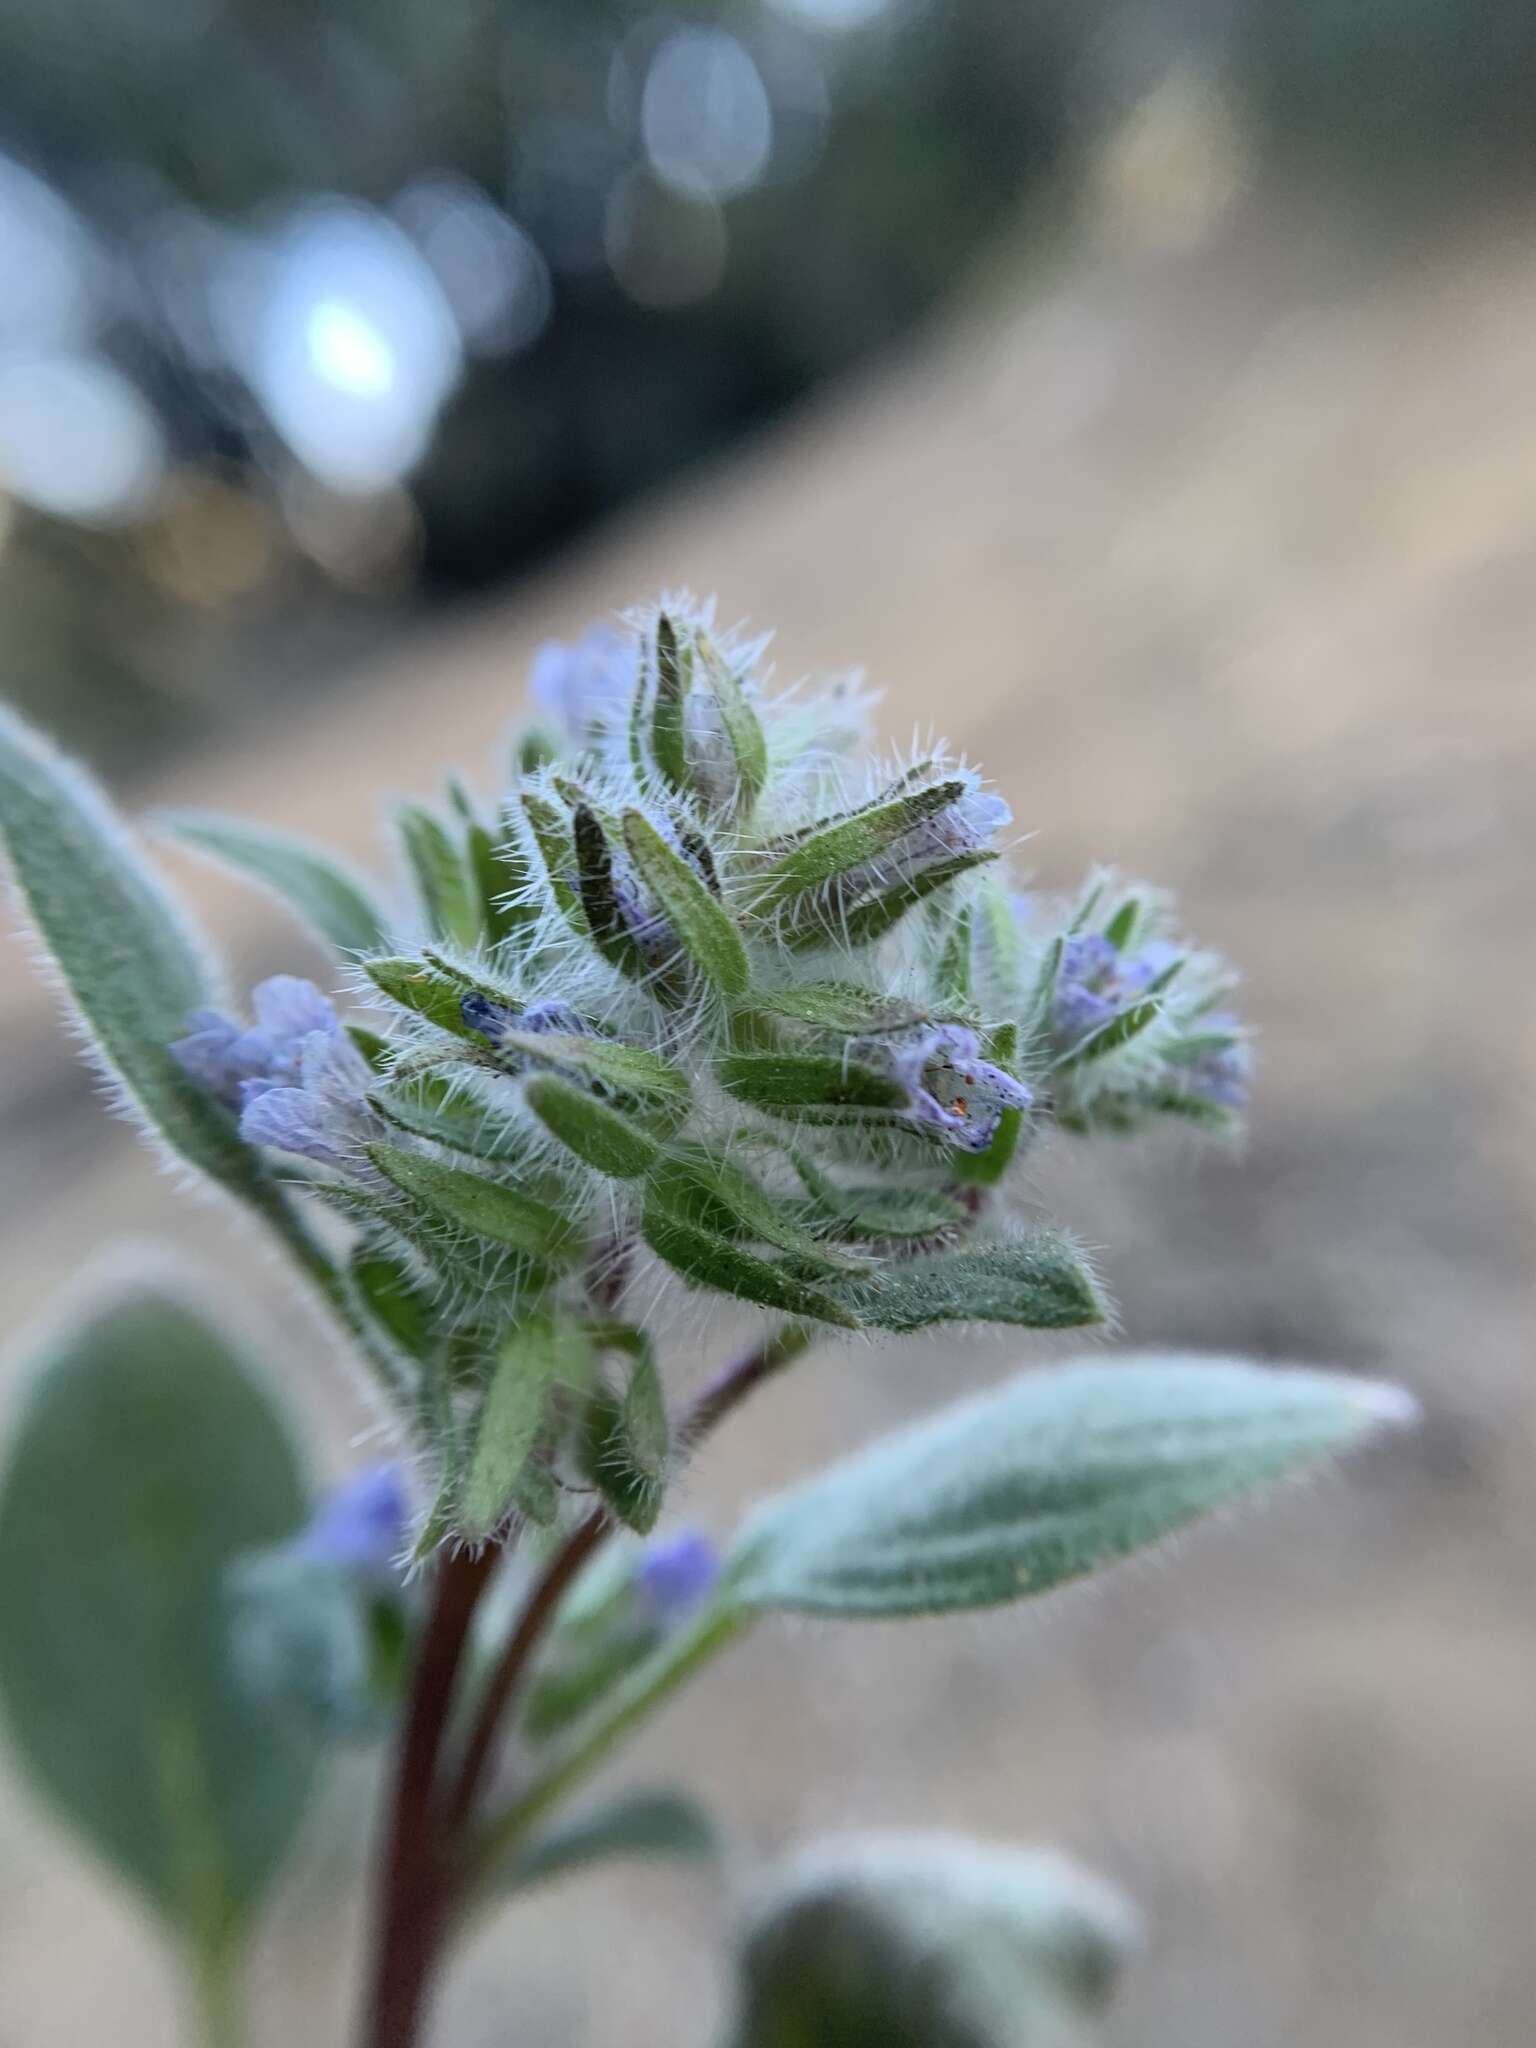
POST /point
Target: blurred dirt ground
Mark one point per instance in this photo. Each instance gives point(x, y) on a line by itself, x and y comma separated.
point(1225, 565)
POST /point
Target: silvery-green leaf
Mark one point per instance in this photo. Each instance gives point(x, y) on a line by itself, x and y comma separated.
point(1050, 1476)
point(449, 900)
point(632, 1824)
point(875, 1211)
point(487, 1208)
point(741, 726)
point(599, 1135)
point(146, 1461)
point(536, 1355)
point(705, 1259)
point(704, 927)
point(997, 951)
point(1034, 1280)
point(321, 888)
point(832, 850)
point(126, 961)
point(791, 1083)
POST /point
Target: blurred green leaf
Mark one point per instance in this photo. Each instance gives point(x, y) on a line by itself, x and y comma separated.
point(448, 897)
point(326, 895)
point(632, 1824)
point(146, 1461)
point(1049, 1477)
point(129, 966)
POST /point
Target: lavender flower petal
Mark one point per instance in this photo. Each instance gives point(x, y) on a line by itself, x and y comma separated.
point(362, 1525)
point(676, 1573)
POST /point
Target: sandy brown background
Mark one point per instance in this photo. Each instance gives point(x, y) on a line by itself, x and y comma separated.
point(1225, 565)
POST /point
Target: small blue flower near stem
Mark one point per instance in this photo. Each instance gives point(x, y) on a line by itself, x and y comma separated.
point(953, 1093)
point(362, 1525)
point(675, 1574)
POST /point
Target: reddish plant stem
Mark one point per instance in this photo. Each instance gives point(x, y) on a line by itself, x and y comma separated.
point(428, 1824)
point(413, 1899)
point(722, 1394)
point(506, 1680)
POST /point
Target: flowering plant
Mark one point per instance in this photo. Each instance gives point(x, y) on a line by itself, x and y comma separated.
point(706, 1011)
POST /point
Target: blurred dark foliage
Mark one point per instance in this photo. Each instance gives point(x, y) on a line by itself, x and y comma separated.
point(900, 144)
point(667, 307)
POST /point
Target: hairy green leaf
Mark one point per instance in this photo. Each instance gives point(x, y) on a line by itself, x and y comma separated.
point(1129, 1023)
point(869, 921)
point(839, 1006)
point(322, 889)
point(534, 1357)
point(1044, 1479)
point(705, 928)
point(674, 671)
point(128, 964)
point(708, 1189)
point(832, 850)
point(625, 1069)
point(487, 1208)
point(147, 1460)
point(424, 990)
point(628, 1442)
point(1036, 1281)
point(601, 1136)
point(789, 1084)
point(705, 1259)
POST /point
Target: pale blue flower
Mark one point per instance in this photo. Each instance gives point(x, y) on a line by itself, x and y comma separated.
point(585, 687)
point(676, 1573)
point(953, 1093)
point(362, 1525)
point(237, 1063)
point(324, 1116)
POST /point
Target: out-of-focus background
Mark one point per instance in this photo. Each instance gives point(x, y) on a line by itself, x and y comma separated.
point(1147, 395)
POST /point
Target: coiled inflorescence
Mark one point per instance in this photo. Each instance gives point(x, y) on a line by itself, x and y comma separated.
point(702, 993)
